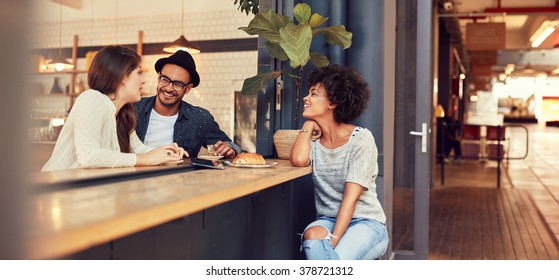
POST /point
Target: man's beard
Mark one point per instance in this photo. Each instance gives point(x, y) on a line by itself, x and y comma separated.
point(165, 103)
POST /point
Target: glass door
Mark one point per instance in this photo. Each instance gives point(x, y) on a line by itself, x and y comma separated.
point(412, 163)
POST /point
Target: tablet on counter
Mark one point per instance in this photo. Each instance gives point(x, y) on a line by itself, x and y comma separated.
point(204, 163)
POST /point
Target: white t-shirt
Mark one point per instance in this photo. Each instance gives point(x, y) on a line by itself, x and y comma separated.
point(160, 129)
point(89, 138)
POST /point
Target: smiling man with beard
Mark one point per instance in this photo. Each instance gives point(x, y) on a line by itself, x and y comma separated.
point(166, 118)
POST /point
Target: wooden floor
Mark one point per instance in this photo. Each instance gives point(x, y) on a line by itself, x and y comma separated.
point(471, 219)
point(487, 224)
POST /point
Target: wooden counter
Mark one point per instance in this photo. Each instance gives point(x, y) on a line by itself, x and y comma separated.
point(67, 221)
point(72, 178)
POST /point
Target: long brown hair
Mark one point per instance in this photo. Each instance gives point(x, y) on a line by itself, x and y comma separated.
point(109, 67)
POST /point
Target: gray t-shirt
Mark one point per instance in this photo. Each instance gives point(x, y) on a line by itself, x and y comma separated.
point(355, 161)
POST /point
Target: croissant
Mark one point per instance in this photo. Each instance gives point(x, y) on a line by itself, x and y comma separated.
point(249, 158)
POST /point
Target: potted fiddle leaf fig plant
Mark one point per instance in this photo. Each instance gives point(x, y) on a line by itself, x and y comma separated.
point(290, 41)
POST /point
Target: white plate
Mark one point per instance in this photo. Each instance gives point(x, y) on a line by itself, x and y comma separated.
point(267, 165)
point(210, 157)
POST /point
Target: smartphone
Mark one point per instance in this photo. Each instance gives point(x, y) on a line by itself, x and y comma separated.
point(204, 163)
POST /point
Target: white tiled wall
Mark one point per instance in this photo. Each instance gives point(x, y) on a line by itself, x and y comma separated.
point(161, 28)
point(218, 71)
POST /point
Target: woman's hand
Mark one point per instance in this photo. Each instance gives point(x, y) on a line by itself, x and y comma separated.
point(159, 155)
point(313, 128)
point(334, 240)
point(180, 152)
point(352, 192)
point(176, 150)
point(316, 132)
point(300, 152)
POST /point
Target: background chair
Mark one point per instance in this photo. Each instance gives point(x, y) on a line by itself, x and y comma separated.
point(471, 141)
point(494, 142)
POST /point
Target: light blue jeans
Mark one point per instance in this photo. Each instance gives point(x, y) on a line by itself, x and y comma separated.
point(364, 239)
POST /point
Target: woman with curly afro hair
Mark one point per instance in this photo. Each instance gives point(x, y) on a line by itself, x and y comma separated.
point(350, 220)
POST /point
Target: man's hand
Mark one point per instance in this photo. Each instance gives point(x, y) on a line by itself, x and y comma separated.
point(223, 149)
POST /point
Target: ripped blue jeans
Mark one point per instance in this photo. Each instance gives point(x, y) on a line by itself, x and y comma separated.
point(364, 239)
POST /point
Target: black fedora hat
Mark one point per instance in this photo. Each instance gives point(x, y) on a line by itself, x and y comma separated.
point(182, 59)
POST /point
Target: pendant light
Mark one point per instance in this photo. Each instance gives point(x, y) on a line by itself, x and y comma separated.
point(181, 43)
point(60, 63)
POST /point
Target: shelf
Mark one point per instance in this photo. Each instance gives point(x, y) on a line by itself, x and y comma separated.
point(60, 72)
point(74, 72)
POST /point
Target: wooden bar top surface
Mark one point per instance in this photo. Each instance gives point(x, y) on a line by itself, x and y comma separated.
point(71, 220)
point(90, 174)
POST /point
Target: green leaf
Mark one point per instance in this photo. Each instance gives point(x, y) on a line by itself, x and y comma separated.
point(275, 50)
point(319, 59)
point(296, 42)
point(317, 20)
point(266, 23)
point(248, 6)
point(302, 12)
point(336, 35)
point(252, 85)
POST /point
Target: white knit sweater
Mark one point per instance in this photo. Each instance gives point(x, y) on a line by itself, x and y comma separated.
point(89, 139)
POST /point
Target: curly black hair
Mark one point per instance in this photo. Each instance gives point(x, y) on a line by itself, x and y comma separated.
point(346, 89)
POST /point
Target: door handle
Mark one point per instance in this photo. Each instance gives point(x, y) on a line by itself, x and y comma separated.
point(423, 134)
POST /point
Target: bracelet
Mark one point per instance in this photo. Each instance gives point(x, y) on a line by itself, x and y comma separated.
point(303, 130)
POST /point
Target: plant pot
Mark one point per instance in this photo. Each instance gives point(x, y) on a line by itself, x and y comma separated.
point(283, 141)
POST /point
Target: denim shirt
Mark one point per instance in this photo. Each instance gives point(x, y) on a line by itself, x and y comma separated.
point(195, 126)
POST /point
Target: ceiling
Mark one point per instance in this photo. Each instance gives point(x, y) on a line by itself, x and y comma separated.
point(522, 19)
